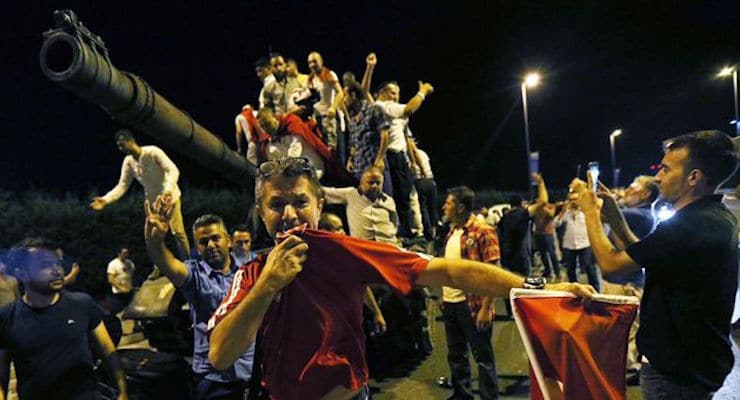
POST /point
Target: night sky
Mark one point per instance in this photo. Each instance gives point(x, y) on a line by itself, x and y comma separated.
point(647, 69)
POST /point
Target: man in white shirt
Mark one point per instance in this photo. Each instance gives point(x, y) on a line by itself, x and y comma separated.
point(263, 69)
point(157, 174)
point(399, 160)
point(120, 277)
point(371, 214)
point(326, 82)
point(576, 246)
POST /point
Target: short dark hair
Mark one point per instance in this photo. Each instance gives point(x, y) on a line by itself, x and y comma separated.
point(348, 76)
point(241, 228)
point(291, 167)
point(19, 254)
point(711, 151)
point(208, 219)
point(262, 62)
point(124, 134)
point(463, 195)
point(354, 87)
point(515, 200)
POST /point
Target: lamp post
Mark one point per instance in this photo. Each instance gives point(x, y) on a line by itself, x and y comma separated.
point(531, 80)
point(726, 72)
point(612, 143)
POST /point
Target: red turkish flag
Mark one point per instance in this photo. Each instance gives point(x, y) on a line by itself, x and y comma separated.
point(575, 351)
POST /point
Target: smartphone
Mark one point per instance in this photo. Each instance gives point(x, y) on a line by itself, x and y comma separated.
point(593, 170)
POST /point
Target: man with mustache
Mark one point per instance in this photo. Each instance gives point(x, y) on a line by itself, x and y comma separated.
point(203, 283)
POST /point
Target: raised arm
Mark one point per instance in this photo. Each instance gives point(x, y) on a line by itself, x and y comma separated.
point(233, 335)
point(608, 258)
point(156, 227)
point(370, 62)
point(414, 103)
point(71, 277)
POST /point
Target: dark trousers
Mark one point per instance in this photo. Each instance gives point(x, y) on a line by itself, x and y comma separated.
point(403, 182)
point(545, 245)
point(213, 390)
point(119, 301)
point(584, 259)
point(461, 332)
point(427, 191)
point(656, 386)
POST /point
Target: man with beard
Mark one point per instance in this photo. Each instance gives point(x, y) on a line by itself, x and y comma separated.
point(203, 283)
point(276, 93)
point(691, 268)
point(157, 174)
point(305, 296)
point(46, 333)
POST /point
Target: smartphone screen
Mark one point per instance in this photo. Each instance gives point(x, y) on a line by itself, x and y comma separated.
point(593, 170)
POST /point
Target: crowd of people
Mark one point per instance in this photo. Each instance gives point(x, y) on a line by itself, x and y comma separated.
point(286, 321)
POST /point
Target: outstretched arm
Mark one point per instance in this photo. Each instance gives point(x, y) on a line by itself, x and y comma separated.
point(485, 279)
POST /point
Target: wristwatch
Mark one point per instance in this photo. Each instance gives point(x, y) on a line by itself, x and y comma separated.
point(534, 282)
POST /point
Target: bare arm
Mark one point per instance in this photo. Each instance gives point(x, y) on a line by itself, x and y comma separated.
point(370, 301)
point(106, 345)
point(71, 277)
point(484, 279)
point(370, 62)
point(414, 103)
point(112, 281)
point(609, 259)
point(384, 140)
point(239, 137)
point(156, 227)
point(413, 156)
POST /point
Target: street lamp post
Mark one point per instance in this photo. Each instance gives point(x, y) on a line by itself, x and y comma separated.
point(612, 143)
point(531, 80)
point(727, 71)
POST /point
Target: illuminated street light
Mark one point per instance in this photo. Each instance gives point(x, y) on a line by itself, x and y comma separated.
point(612, 143)
point(531, 80)
point(724, 73)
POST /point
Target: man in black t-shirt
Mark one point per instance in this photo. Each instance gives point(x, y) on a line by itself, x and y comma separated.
point(46, 333)
point(691, 268)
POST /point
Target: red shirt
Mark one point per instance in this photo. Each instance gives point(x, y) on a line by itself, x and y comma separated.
point(478, 242)
point(312, 333)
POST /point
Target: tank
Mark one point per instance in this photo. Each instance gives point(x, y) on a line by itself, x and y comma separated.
point(77, 60)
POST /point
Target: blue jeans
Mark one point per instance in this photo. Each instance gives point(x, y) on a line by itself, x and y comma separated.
point(582, 258)
point(656, 386)
point(212, 390)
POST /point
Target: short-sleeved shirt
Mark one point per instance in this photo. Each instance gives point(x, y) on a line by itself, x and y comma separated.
point(122, 272)
point(691, 268)
point(312, 337)
point(50, 346)
point(478, 242)
point(325, 84)
point(364, 135)
point(640, 221)
point(204, 289)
